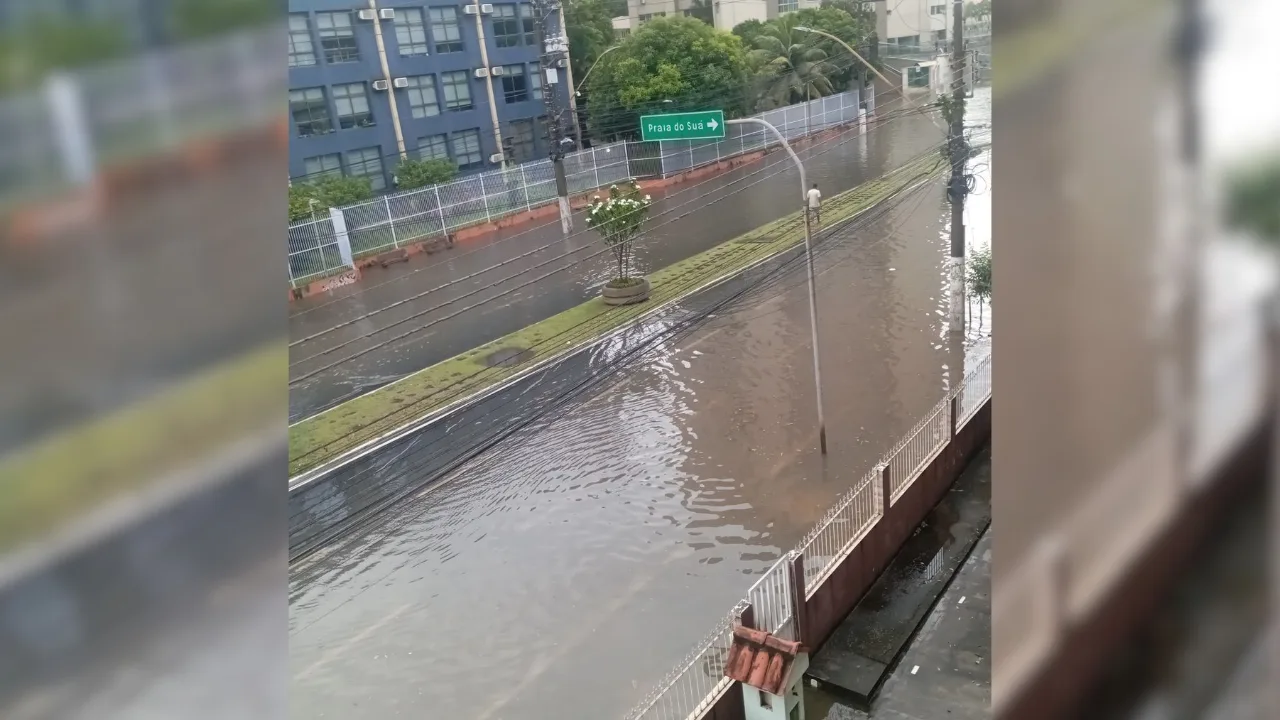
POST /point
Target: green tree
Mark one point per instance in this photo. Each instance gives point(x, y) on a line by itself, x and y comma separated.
point(589, 25)
point(674, 64)
point(979, 279)
point(412, 173)
point(30, 50)
point(1253, 199)
point(854, 29)
point(978, 11)
point(329, 191)
point(202, 18)
point(790, 67)
point(748, 31)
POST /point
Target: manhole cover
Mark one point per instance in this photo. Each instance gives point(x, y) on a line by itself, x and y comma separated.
point(506, 357)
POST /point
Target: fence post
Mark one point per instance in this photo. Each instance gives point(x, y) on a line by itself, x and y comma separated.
point(484, 196)
point(799, 600)
point(595, 166)
point(444, 228)
point(886, 488)
point(391, 221)
point(524, 183)
point(690, 154)
point(72, 136)
point(955, 412)
point(340, 235)
point(748, 617)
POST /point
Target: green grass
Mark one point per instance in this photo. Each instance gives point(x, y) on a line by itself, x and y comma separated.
point(54, 481)
point(321, 438)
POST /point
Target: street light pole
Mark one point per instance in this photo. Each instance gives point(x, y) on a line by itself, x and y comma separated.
point(813, 287)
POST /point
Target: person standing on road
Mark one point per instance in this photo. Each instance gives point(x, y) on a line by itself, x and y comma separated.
point(814, 197)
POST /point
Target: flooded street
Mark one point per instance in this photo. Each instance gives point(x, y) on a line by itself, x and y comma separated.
point(686, 220)
point(575, 563)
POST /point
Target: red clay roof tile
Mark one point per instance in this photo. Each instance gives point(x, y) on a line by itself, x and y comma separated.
point(760, 659)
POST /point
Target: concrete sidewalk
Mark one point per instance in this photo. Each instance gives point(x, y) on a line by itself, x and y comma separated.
point(946, 671)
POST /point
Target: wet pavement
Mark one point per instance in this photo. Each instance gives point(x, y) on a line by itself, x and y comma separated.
point(685, 220)
point(946, 671)
point(577, 560)
point(859, 655)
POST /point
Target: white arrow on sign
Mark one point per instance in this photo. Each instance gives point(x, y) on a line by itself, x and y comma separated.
point(713, 124)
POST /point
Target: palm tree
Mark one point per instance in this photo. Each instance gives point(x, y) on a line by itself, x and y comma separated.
point(791, 68)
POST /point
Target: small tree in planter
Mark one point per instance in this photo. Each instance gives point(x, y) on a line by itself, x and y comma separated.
point(619, 219)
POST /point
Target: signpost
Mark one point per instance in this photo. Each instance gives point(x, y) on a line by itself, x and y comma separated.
point(704, 125)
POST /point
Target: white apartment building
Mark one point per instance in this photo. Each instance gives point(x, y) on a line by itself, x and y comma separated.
point(728, 14)
point(913, 24)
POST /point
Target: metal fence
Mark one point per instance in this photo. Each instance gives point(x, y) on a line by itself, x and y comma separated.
point(973, 391)
point(841, 528)
point(918, 448)
point(694, 685)
point(115, 113)
point(397, 219)
point(313, 250)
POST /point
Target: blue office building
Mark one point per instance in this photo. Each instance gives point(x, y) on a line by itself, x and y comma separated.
point(340, 100)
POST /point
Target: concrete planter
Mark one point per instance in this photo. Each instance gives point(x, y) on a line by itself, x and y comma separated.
point(626, 295)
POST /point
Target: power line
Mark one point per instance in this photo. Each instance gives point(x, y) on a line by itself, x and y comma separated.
point(487, 287)
point(582, 330)
point(874, 124)
point(593, 381)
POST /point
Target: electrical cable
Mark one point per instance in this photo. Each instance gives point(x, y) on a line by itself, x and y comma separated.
point(488, 287)
point(464, 386)
point(877, 122)
point(677, 331)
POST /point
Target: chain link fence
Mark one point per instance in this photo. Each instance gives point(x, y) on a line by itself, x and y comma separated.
point(412, 216)
point(120, 112)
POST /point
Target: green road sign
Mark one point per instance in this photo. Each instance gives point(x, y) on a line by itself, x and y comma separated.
point(705, 125)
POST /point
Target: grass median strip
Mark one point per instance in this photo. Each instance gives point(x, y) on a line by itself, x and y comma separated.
point(55, 480)
point(323, 437)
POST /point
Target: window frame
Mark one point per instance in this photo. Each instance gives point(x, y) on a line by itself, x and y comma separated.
point(446, 85)
point(405, 33)
point(430, 140)
point(445, 46)
point(313, 119)
point(507, 94)
point(350, 53)
point(296, 35)
point(458, 155)
point(351, 98)
point(335, 171)
point(517, 142)
point(415, 86)
point(378, 181)
point(506, 28)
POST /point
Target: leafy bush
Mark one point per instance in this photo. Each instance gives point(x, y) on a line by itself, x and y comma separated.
point(412, 174)
point(1253, 199)
point(619, 220)
point(327, 192)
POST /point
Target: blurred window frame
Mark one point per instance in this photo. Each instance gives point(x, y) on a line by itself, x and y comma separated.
point(337, 37)
point(352, 103)
point(309, 111)
point(302, 46)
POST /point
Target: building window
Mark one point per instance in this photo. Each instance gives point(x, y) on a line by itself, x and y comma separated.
point(314, 168)
point(522, 140)
point(466, 149)
point(535, 82)
point(310, 112)
point(940, 36)
point(515, 86)
point(527, 25)
point(337, 37)
point(433, 147)
point(506, 26)
point(457, 90)
point(411, 32)
point(937, 9)
point(302, 51)
point(367, 162)
point(786, 6)
point(649, 16)
point(352, 101)
point(423, 102)
point(444, 30)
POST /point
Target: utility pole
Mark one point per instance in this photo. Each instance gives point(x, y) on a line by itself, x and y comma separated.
point(958, 153)
point(555, 54)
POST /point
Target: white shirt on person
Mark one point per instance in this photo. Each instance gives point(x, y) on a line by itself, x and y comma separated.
point(815, 198)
